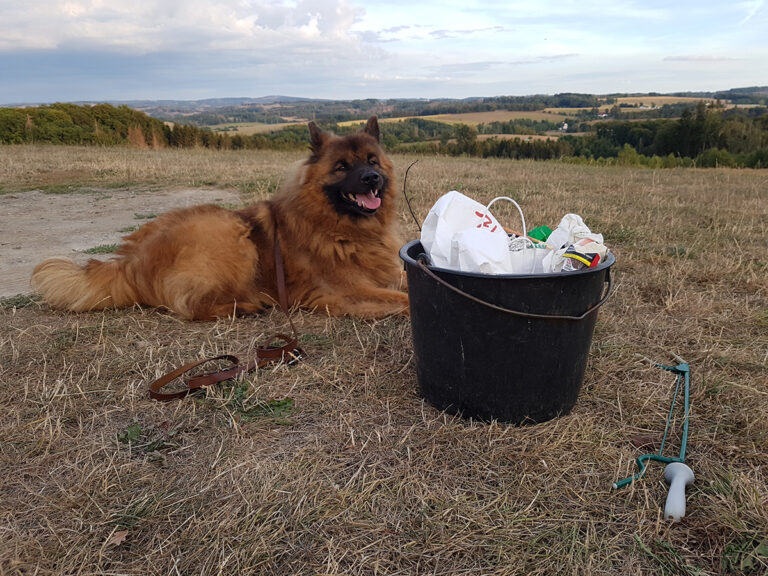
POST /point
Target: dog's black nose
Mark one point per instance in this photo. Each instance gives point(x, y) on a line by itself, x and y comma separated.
point(371, 179)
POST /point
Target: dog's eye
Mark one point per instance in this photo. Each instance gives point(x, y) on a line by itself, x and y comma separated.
point(341, 167)
point(373, 160)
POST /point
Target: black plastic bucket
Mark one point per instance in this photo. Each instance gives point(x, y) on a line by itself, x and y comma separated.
point(507, 347)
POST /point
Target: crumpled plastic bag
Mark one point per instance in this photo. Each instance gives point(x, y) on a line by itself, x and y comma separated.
point(569, 232)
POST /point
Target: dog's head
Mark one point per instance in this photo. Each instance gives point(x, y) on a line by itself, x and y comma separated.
point(353, 171)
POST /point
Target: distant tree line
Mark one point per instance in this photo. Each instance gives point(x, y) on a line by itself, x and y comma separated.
point(101, 124)
point(337, 111)
point(332, 112)
point(519, 126)
point(328, 112)
point(520, 103)
point(70, 124)
point(702, 136)
point(108, 125)
point(705, 134)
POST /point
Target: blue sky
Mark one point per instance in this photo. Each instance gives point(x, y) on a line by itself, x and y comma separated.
point(69, 50)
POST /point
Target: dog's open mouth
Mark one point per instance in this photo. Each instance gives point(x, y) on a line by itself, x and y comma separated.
point(366, 202)
point(359, 193)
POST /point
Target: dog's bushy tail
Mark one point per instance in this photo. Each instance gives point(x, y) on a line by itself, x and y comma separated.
point(95, 286)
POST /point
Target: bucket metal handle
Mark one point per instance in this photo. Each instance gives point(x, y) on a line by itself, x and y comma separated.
point(423, 265)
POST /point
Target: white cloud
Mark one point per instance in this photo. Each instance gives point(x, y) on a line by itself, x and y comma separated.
point(701, 58)
point(164, 25)
point(80, 49)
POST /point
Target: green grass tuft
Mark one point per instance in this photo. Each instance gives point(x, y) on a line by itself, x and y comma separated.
point(102, 249)
point(246, 408)
point(19, 301)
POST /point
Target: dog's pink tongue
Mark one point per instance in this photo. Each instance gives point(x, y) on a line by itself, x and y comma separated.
point(368, 200)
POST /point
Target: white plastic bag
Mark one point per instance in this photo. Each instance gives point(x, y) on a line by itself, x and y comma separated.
point(462, 234)
point(570, 230)
point(478, 250)
point(522, 255)
point(455, 217)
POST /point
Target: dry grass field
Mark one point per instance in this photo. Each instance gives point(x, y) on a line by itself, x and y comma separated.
point(661, 100)
point(250, 128)
point(336, 465)
point(473, 118)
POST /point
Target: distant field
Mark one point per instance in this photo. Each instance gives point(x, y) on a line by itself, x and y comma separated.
point(549, 114)
point(660, 100)
point(249, 128)
point(475, 118)
point(470, 118)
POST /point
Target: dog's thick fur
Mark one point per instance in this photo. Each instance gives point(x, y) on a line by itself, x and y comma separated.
point(336, 228)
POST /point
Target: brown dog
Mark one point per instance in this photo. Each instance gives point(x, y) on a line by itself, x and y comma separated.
point(336, 228)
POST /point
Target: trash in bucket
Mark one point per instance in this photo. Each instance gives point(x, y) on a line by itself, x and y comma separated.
point(461, 234)
point(510, 347)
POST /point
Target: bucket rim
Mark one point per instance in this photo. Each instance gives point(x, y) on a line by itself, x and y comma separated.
point(609, 261)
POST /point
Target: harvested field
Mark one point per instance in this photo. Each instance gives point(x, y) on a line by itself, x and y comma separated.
point(335, 465)
point(250, 128)
point(472, 118)
point(475, 118)
point(662, 100)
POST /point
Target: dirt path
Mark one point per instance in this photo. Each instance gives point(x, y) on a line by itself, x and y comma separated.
point(34, 225)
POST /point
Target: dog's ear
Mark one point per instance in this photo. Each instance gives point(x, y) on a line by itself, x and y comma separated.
point(316, 138)
point(372, 127)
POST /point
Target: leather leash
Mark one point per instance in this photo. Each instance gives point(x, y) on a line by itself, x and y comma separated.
point(265, 355)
